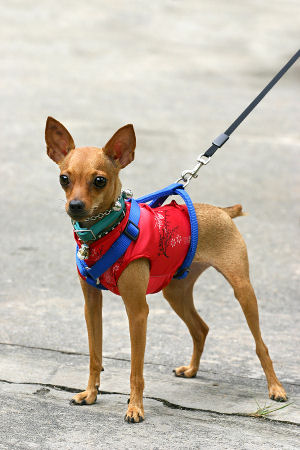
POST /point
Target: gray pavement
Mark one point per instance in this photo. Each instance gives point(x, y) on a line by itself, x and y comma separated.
point(180, 72)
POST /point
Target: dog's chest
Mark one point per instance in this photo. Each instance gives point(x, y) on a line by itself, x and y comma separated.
point(164, 240)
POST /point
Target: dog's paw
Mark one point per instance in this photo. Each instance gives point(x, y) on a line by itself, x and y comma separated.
point(277, 393)
point(134, 414)
point(85, 398)
point(185, 372)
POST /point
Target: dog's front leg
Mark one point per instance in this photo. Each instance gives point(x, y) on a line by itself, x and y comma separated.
point(93, 317)
point(132, 286)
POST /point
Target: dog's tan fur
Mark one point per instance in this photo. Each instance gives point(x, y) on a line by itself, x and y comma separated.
point(220, 245)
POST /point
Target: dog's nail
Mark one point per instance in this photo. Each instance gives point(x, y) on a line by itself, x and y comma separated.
point(272, 397)
point(74, 403)
point(128, 401)
point(179, 375)
point(102, 370)
point(132, 420)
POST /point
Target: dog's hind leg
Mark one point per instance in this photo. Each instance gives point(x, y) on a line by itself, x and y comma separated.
point(179, 294)
point(233, 264)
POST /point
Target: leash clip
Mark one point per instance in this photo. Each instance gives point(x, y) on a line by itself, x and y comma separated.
point(188, 174)
point(203, 159)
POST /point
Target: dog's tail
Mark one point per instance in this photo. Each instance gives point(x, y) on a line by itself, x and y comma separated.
point(234, 211)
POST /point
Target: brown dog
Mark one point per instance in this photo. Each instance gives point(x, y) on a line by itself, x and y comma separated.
point(220, 245)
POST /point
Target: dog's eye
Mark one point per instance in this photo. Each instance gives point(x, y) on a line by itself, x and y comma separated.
point(100, 182)
point(64, 180)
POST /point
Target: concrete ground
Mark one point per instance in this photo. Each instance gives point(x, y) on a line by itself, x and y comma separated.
point(181, 72)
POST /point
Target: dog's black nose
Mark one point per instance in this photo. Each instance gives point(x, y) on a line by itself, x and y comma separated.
point(76, 206)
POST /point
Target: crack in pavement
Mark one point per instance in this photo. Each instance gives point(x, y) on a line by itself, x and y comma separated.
point(64, 352)
point(114, 358)
point(157, 399)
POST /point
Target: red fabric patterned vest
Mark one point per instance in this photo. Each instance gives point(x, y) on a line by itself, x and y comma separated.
point(164, 239)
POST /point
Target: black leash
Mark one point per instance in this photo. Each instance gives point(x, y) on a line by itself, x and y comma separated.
point(217, 143)
point(220, 140)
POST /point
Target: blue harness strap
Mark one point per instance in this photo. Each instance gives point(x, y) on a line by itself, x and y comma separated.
point(183, 271)
point(157, 199)
point(131, 233)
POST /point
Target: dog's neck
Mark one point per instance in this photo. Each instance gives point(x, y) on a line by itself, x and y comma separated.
point(105, 221)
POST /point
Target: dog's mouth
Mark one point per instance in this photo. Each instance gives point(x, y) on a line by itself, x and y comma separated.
point(77, 217)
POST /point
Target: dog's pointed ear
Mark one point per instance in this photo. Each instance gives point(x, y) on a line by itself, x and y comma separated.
point(121, 146)
point(58, 139)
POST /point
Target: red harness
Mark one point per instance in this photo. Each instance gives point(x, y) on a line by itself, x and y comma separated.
point(164, 239)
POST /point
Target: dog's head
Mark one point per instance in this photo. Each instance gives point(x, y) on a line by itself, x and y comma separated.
point(89, 175)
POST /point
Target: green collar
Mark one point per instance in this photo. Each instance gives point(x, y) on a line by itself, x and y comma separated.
point(108, 221)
